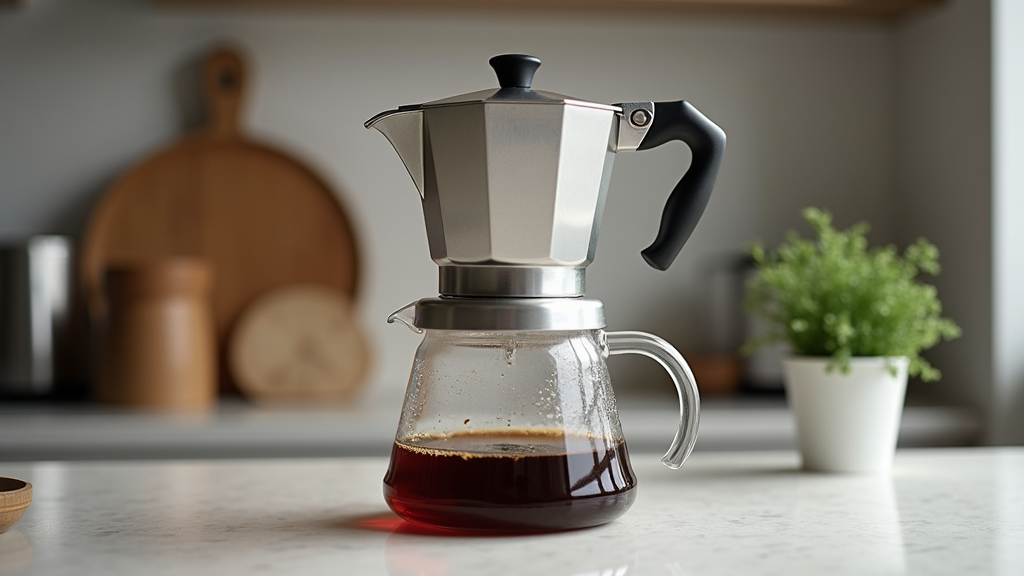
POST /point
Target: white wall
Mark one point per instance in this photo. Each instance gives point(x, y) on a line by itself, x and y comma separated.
point(1008, 221)
point(89, 88)
point(960, 181)
point(943, 178)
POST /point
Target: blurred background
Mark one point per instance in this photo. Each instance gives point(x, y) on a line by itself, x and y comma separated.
point(900, 113)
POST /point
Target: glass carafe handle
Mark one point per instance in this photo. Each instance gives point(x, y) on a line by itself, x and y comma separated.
point(672, 361)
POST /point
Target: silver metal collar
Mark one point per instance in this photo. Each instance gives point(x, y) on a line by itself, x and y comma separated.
point(489, 314)
point(512, 281)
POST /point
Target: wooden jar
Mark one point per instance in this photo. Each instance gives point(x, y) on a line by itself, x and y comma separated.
point(159, 350)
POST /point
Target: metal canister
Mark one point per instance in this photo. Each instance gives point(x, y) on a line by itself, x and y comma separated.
point(35, 315)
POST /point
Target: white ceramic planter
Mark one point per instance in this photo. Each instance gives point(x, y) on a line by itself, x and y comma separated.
point(846, 422)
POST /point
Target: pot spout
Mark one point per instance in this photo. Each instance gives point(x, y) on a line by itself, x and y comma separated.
point(404, 129)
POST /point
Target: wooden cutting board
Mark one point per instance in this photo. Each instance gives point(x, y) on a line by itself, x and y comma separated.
point(260, 217)
point(300, 344)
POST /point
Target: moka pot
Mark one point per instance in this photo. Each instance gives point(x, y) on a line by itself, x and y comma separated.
point(509, 422)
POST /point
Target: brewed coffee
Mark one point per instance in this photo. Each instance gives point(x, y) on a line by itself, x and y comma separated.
point(510, 480)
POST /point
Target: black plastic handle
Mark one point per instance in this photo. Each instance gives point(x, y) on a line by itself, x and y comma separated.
point(515, 70)
point(681, 121)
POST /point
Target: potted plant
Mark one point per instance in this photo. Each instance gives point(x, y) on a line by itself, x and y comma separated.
point(856, 320)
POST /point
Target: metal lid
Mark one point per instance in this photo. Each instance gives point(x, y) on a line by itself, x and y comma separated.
point(489, 314)
point(515, 75)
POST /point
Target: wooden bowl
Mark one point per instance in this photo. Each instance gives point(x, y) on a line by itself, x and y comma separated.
point(15, 496)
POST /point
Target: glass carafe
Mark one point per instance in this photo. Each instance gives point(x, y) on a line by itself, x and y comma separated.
point(518, 430)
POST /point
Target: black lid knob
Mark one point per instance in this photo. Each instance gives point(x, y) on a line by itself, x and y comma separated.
point(515, 70)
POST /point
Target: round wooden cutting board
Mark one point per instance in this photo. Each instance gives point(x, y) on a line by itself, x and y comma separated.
point(300, 344)
point(261, 218)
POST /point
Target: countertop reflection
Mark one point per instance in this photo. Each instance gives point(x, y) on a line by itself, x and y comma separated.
point(941, 511)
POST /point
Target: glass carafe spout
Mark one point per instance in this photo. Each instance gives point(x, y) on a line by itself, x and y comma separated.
point(407, 316)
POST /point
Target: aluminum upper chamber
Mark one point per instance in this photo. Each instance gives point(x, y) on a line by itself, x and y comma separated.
point(513, 181)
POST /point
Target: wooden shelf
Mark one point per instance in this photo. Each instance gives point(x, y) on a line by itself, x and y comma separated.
point(869, 8)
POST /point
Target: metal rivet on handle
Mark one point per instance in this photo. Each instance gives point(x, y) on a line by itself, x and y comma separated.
point(639, 118)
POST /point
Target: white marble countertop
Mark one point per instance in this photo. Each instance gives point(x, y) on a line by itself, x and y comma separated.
point(941, 511)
